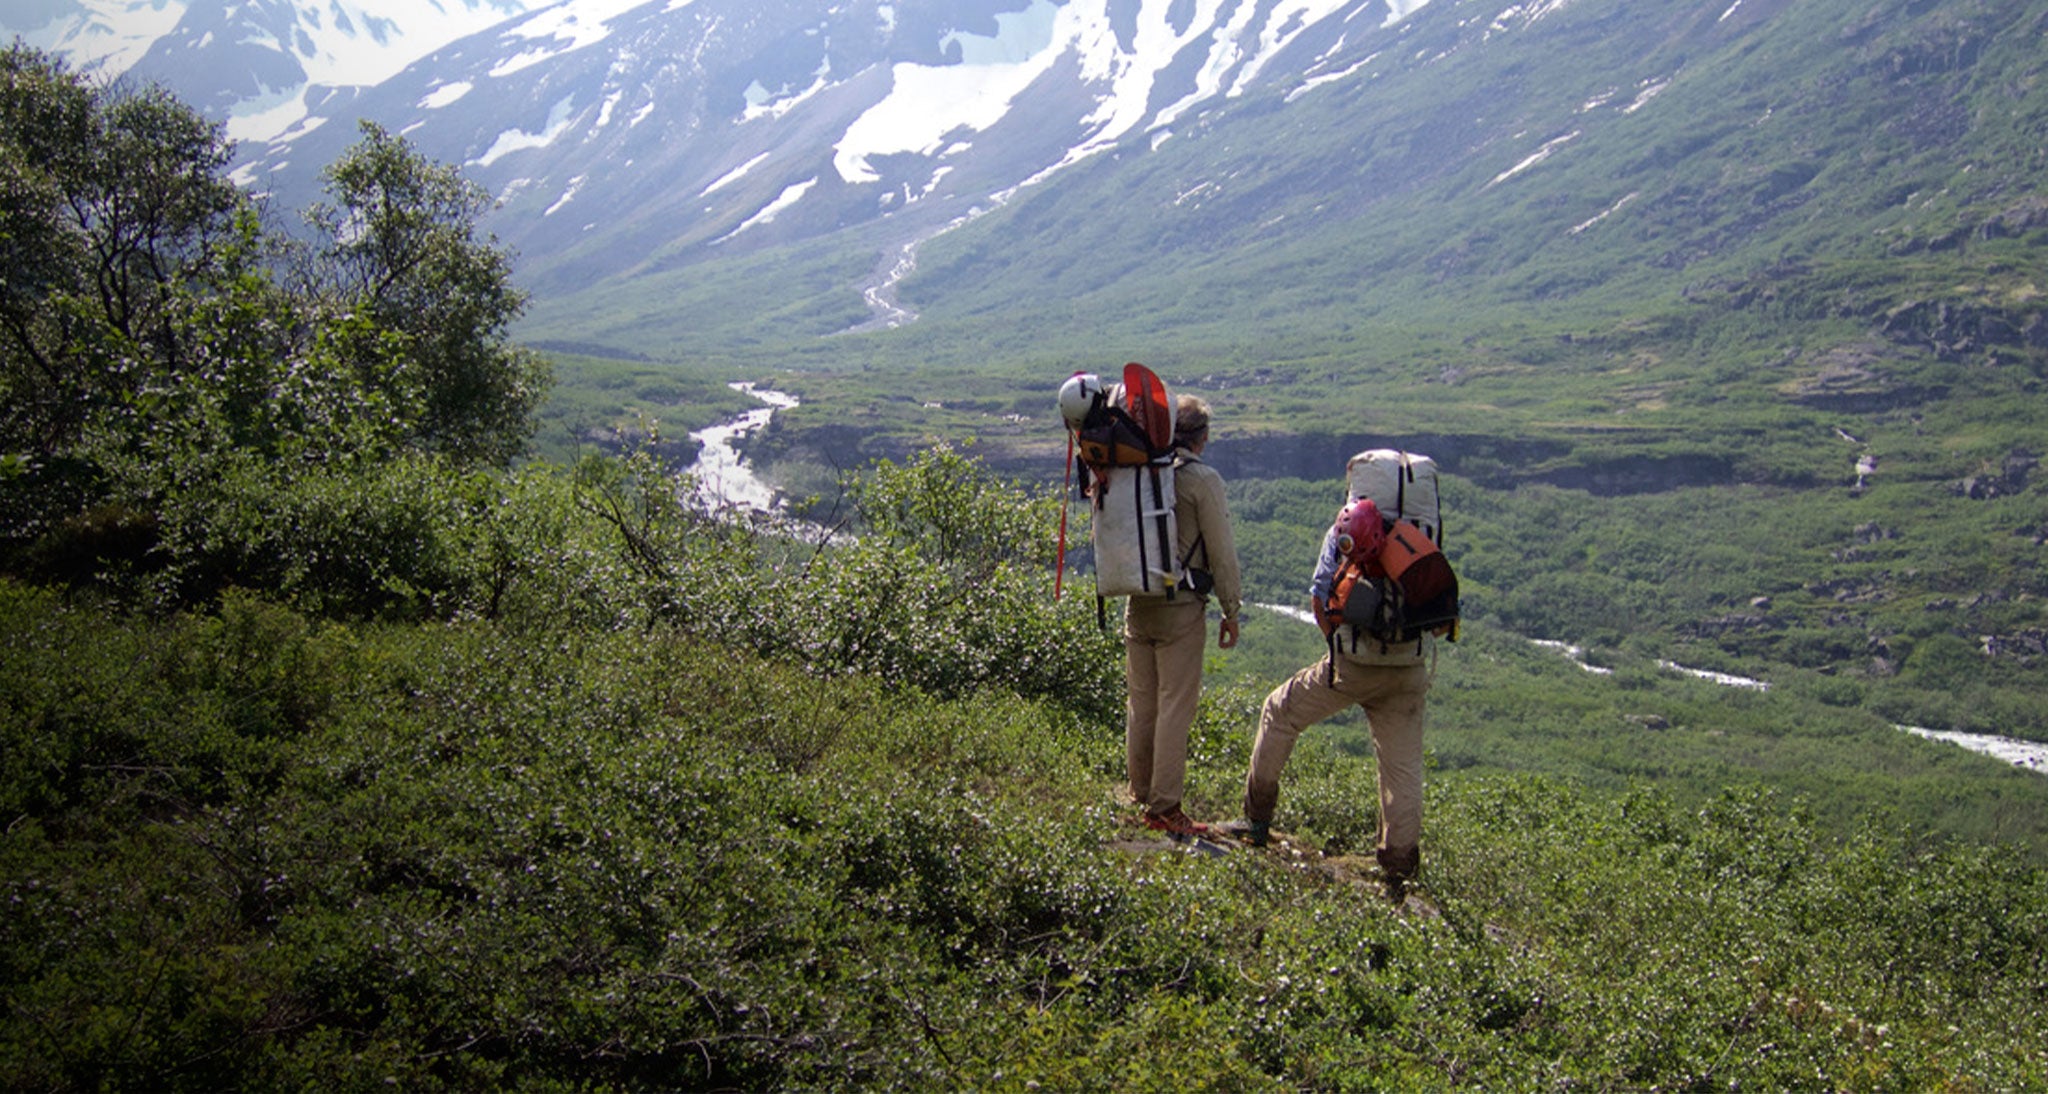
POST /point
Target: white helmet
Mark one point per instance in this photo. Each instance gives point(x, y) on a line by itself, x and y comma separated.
point(1079, 397)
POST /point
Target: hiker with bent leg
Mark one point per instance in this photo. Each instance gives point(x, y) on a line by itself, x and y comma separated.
point(1164, 635)
point(1390, 681)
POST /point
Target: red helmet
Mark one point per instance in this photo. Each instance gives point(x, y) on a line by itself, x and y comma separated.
point(1360, 531)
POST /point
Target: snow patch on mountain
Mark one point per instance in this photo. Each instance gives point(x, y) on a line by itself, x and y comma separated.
point(103, 36)
point(261, 116)
point(1313, 82)
point(1648, 90)
point(361, 43)
point(568, 195)
point(732, 176)
point(604, 110)
point(1605, 213)
point(446, 95)
point(762, 103)
point(789, 196)
point(1523, 15)
point(1286, 23)
point(563, 28)
point(519, 140)
point(1549, 148)
point(334, 43)
point(926, 103)
point(1398, 10)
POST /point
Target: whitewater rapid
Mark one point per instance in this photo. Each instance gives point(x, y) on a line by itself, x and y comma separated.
point(724, 481)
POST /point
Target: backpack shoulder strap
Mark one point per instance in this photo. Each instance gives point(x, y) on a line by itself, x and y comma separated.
point(1401, 478)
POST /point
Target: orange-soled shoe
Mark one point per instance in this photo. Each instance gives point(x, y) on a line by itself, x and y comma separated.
point(1175, 823)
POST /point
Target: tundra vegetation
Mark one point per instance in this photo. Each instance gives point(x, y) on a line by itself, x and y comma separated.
point(345, 750)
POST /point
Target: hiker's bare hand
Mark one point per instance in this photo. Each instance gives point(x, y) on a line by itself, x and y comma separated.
point(1226, 635)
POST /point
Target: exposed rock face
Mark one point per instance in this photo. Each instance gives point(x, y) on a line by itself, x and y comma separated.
point(1322, 455)
point(1851, 590)
point(1854, 378)
point(2010, 479)
point(2027, 647)
point(1643, 474)
point(1955, 331)
point(1495, 462)
point(1739, 623)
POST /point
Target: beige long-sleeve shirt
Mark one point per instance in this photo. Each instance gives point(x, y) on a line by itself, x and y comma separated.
point(1204, 520)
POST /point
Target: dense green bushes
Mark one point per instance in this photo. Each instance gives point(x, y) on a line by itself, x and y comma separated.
point(257, 850)
point(167, 361)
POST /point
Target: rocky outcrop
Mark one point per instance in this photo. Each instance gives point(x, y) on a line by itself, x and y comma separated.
point(2011, 478)
point(1486, 459)
point(1856, 378)
point(1642, 474)
point(1495, 462)
point(2027, 647)
point(1955, 330)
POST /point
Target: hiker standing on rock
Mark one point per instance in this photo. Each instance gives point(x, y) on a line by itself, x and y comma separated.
point(1164, 635)
point(1390, 680)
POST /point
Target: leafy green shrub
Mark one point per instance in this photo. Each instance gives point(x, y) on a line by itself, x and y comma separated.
point(107, 715)
point(944, 587)
point(168, 355)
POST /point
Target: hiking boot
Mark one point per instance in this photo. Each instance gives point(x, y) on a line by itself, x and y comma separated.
point(1398, 867)
point(1255, 832)
point(1400, 862)
point(1174, 823)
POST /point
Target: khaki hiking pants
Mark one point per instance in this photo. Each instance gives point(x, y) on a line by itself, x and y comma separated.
point(1393, 698)
point(1163, 671)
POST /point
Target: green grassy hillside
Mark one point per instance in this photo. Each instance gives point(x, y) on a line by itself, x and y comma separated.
point(651, 801)
point(627, 864)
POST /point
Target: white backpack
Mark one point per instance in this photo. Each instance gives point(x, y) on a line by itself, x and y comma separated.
point(1121, 435)
point(1402, 484)
point(1135, 531)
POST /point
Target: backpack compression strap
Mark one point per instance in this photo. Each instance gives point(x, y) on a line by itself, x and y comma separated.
point(1059, 565)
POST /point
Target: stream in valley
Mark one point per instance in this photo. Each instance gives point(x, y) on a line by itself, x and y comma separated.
point(724, 481)
point(2027, 755)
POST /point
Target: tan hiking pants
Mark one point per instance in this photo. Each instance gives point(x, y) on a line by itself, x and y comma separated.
point(1163, 674)
point(1393, 698)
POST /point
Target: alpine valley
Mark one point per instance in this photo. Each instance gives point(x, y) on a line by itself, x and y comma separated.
point(1767, 264)
point(378, 714)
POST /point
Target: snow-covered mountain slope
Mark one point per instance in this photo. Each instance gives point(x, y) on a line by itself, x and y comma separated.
point(106, 36)
point(621, 134)
point(256, 64)
point(807, 152)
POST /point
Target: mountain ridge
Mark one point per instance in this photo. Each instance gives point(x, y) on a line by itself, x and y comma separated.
point(715, 179)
